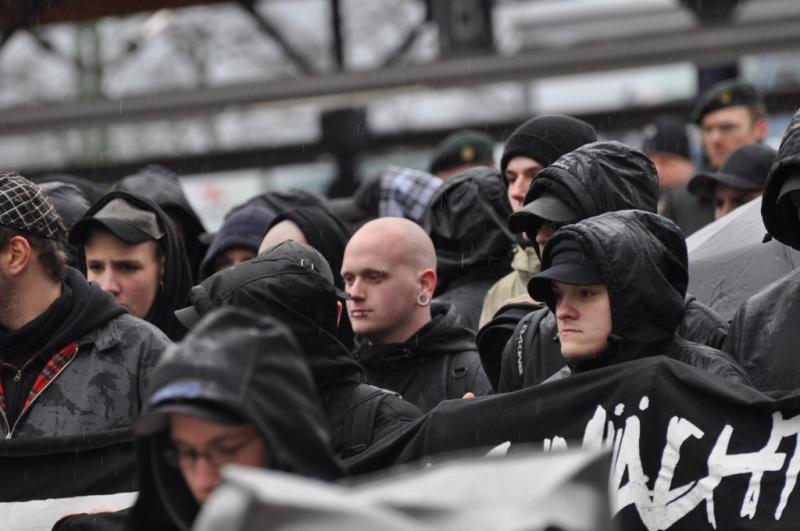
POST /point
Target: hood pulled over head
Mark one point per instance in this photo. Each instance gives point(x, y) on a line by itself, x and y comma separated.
point(642, 259)
point(173, 291)
point(780, 215)
point(466, 219)
point(250, 367)
point(594, 179)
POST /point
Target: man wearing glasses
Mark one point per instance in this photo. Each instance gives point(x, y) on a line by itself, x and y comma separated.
point(236, 390)
point(730, 114)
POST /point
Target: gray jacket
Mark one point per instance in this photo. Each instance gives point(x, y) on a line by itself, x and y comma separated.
point(100, 388)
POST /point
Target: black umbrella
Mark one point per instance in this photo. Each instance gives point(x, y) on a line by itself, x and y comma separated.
point(728, 261)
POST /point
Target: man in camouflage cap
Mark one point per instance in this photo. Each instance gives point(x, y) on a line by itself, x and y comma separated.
point(72, 361)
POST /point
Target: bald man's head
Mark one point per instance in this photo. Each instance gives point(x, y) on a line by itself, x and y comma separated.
point(389, 269)
point(406, 241)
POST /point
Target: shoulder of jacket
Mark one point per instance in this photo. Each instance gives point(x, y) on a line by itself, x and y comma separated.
point(127, 332)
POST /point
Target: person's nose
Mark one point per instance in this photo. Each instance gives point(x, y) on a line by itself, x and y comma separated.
point(109, 283)
point(356, 290)
point(518, 190)
point(726, 208)
point(543, 235)
point(714, 135)
point(206, 476)
point(565, 310)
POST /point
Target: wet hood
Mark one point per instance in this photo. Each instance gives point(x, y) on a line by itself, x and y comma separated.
point(600, 177)
point(643, 259)
point(781, 220)
point(251, 366)
point(466, 219)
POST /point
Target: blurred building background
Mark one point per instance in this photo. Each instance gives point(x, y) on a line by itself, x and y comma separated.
point(245, 96)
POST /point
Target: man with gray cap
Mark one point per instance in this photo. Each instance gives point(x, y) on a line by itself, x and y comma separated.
point(72, 360)
point(131, 248)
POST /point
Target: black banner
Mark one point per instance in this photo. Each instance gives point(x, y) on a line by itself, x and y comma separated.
point(689, 451)
point(65, 467)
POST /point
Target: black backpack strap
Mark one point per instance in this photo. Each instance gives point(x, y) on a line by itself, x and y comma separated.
point(359, 418)
point(458, 380)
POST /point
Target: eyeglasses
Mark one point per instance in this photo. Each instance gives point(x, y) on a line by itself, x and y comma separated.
point(216, 455)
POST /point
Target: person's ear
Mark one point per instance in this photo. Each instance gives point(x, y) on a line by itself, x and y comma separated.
point(19, 255)
point(338, 312)
point(427, 282)
point(761, 126)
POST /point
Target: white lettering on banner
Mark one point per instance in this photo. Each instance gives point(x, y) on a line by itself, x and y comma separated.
point(664, 505)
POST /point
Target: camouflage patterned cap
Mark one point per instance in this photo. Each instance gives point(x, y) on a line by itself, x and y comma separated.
point(26, 208)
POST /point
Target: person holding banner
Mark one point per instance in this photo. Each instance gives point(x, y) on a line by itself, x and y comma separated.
point(616, 288)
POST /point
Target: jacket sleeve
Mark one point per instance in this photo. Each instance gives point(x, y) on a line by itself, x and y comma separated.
point(150, 346)
point(511, 362)
point(479, 382)
point(733, 339)
point(702, 324)
point(393, 415)
point(533, 353)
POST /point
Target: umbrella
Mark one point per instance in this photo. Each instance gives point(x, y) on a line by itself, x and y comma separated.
point(728, 261)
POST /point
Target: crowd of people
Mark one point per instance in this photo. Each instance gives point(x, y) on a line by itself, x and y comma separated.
point(307, 332)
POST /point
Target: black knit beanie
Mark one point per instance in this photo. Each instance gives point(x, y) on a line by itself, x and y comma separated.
point(545, 138)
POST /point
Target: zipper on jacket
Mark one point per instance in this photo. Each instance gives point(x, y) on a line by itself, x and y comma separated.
point(28, 407)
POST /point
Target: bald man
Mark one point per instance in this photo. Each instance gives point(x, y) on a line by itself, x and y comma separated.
point(415, 348)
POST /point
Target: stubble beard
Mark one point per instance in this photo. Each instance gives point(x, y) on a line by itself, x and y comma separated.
point(9, 300)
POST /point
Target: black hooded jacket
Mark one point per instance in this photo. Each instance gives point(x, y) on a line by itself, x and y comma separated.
point(643, 260)
point(275, 283)
point(439, 362)
point(328, 234)
point(173, 293)
point(251, 367)
point(278, 201)
point(162, 186)
point(763, 335)
point(466, 219)
point(594, 179)
point(599, 177)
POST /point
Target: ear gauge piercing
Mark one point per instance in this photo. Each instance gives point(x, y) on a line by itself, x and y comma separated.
point(423, 299)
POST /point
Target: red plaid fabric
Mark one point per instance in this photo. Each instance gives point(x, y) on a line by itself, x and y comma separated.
point(50, 371)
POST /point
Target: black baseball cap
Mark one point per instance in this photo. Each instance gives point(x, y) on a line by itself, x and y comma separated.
point(568, 264)
point(746, 168)
point(123, 219)
point(544, 208)
point(278, 266)
point(666, 134)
